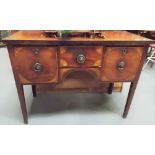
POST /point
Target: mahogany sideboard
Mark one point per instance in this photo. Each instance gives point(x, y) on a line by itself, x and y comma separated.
point(39, 60)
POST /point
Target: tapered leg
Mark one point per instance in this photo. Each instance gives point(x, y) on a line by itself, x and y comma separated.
point(22, 102)
point(34, 90)
point(19, 86)
point(129, 99)
point(111, 85)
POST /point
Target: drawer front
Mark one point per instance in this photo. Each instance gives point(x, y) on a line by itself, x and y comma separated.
point(80, 56)
point(36, 64)
point(121, 64)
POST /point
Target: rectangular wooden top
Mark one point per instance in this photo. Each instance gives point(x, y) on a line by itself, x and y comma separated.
point(36, 37)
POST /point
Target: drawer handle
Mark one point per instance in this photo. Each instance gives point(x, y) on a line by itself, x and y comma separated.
point(36, 51)
point(81, 58)
point(121, 65)
point(124, 51)
point(37, 67)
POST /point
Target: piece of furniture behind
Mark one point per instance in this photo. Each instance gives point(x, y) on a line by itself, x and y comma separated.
point(3, 34)
point(150, 56)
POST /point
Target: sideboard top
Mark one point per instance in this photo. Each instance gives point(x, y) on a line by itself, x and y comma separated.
point(114, 37)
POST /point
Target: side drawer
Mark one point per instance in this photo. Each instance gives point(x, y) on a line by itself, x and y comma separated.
point(121, 63)
point(36, 64)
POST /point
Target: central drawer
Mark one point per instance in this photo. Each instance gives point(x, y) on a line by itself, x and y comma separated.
point(80, 56)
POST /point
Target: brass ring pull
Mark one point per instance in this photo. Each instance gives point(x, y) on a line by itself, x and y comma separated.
point(81, 58)
point(121, 65)
point(37, 67)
